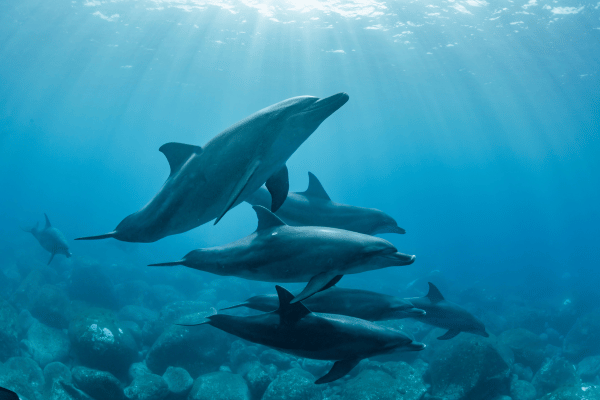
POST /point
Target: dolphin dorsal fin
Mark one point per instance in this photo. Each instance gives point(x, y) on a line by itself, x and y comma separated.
point(266, 219)
point(434, 295)
point(178, 153)
point(48, 224)
point(315, 189)
point(289, 313)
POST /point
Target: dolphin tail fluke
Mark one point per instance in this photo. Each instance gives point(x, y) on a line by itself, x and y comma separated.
point(339, 370)
point(167, 264)
point(105, 236)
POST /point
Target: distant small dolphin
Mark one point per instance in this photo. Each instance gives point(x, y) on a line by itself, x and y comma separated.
point(51, 239)
point(6, 394)
point(276, 252)
point(313, 207)
point(293, 329)
point(207, 182)
point(363, 304)
point(444, 314)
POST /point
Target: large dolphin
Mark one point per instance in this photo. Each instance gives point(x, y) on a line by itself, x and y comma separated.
point(293, 329)
point(6, 394)
point(313, 207)
point(51, 239)
point(447, 315)
point(276, 252)
point(363, 304)
point(206, 182)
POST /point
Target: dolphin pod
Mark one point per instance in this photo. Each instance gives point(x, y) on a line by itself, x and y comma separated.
point(206, 182)
point(277, 252)
point(313, 207)
point(51, 239)
point(355, 303)
point(294, 329)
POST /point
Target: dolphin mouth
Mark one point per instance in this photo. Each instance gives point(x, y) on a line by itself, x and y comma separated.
point(415, 312)
point(328, 105)
point(416, 346)
point(400, 258)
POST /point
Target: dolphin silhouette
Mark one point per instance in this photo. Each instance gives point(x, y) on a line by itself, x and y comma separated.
point(294, 329)
point(276, 252)
point(363, 304)
point(6, 394)
point(313, 207)
point(207, 182)
point(51, 239)
point(447, 315)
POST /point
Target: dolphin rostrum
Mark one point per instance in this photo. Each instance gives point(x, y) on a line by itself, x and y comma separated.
point(294, 329)
point(51, 239)
point(363, 304)
point(276, 252)
point(313, 207)
point(206, 182)
point(447, 315)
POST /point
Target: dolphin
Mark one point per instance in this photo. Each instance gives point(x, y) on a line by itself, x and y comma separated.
point(51, 239)
point(363, 304)
point(447, 315)
point(277, 252)
point(313, 207)
point(294, 329)
point(6, 394)
point(206, 182)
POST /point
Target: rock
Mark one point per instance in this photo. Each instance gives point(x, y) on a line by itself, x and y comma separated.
point(522, 372)
point(258, 379)
point(470, 366)
point(280, 360)
point(582, 339)
point(162, 295)
point(133, 292)
point(137, 314)
point(147, 387)
point(62, 390)
point(101, 385)
point(46, 344)
point(383, 381)
point(23, 376)
point(198, 349)
point(25, 320)
point(92, 285)
point(52, 307)
point(316, 367)
point(293, 385)
point(527, 347)
point(240, 354)
point(30, 287)
point(178, 381)
point(588, 369)
point(100, 342)
point(532, 319)
point(555, 373)
point(522, 390)
point(56, 371)
point(137, 369)
point(574, 393)
point(9, 331)
point(219, 386)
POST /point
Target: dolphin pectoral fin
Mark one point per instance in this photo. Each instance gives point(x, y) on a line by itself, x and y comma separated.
point(339, 370)
point(315, 189)
point(105, 236)
point(48, 224)
point(278, 185)
point(449, 335)
point(178, 153)
point(6, 394)
point(51, 258)
point(317, 283)
point(289, 313)
point(239, 188)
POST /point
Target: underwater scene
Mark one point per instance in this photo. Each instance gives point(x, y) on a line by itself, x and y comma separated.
point(299, 200)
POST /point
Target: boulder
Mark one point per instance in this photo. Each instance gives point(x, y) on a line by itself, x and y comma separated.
point(522, 390)
point(241, 354)
point(219, 386)
point(147, 387)
point(101, 342)
point(532, 319)
point(162, 295)
point(527, 347)
point(46, 344)
point(316, 367)
point(9, 331)
point(582, 339)
point(258, 379)
point(90, 284)
point(139, 315)
point(30, 287)
point(62, 390)
point(178, 381)
point(293, 385)
point(137, 369)
point(100, 385)
point(470, 366)
point(56, 371)
point(556, 372)
point(23, 376)
point(574, 393)
point(135, 292)
point(280, 360)
point(588, 369)
point(52, 307)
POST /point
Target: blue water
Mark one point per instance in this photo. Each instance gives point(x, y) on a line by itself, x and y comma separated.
point(474, 124)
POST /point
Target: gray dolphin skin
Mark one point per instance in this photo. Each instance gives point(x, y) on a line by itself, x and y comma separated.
point(6, 394)
point(51, 239)
point(206, 182)
point(276, 252)
point(313, 207)
point(363, 304)
point(447, 315)
point(294, 329)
